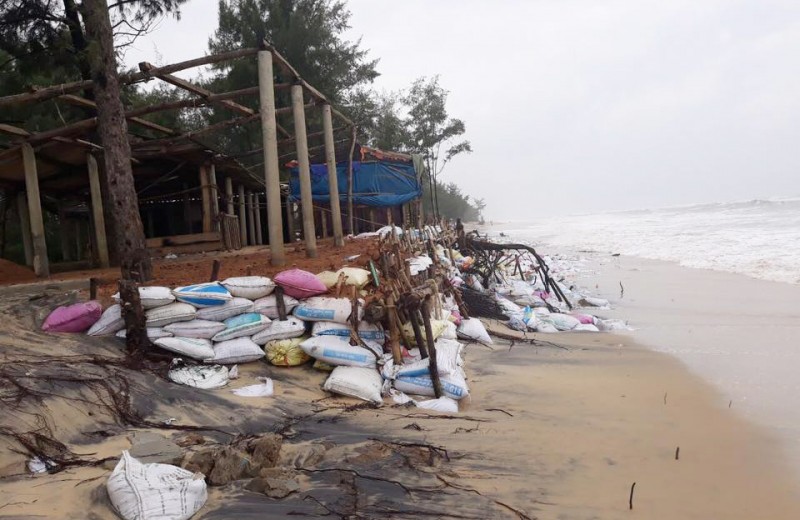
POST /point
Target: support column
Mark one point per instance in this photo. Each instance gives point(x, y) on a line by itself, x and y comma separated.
point(41, 266)
point(25, 227)
point(229, 194)
point(257, 210)
point(324, 222)
point(269, 134)
point(304, 169)
point(214, 193)
point(205, 192)
point(333, 179)
point(242, 216)
point(251, 219)
point(97, 211)
point(373, 225)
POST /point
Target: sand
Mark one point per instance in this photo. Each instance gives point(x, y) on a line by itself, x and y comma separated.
point(548, 432)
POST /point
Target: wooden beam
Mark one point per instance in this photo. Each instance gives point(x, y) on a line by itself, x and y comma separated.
point(13, 130)
point(41, 265)
point(307, 205)
point(41, 94)
point(97, 211)
point(88, 103)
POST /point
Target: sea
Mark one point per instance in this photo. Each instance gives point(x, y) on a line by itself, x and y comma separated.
point(757, 238)
point(742, 336)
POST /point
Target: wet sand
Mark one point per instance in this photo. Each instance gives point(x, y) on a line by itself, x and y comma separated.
point(548, 432)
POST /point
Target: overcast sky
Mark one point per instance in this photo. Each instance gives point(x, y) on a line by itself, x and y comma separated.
point(580, 106)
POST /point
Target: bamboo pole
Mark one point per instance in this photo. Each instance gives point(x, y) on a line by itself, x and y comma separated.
point(242, 216)
point(333, 178)
point(257, 210)
point(304, 169)
point(350, 215)
point(41, 265)
point(25, 225)
point(97, 211)
point(269, 133)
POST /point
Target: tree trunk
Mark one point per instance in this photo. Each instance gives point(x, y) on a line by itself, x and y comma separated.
point(113, 132)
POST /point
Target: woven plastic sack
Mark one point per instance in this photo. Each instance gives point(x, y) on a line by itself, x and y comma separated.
point(73, 318)
point(152, 297)
point(366, 331)
point(242, 325)
point(361, 383)
point(153, 333)
point(300, 284)
point(205, 377)
point(354, 276)
point(239, 350)
point(203, 294)
point(321, 308)
point(250, 287)
point(155, 491)
point(291, 327)
point(110, 322)
point(437, 327)
point(473, 329)
point(204, 329)
point(171, 313)
point(268, 306)
point(286, 352)
point(194, 348)
point(229, 309)
point(338, 351)
point(329, 278)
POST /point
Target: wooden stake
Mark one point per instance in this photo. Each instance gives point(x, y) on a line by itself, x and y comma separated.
point(257, 211)
point(205, 192)
point(136, 339)
point(215, 270)
point(433, 367)
point(229, 195)
point(242, 216)
point(281, 303)
point(93, 285)
point(394, 332)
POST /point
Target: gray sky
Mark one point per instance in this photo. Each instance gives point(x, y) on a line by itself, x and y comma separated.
point(580, 106)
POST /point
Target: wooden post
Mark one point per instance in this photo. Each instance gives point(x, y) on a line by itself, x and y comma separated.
point(205, 192)
point(242, 216)
point(25, 225)
point(269, 134)
point(373, 225)
point(97, 211)
point(41, 265)
point(433, 367)
point(290, 219)
point(333, 179)
point(251, 219)
point(63, 235)
point(229, 194)
point(324, 221)
point(214, 195)
point(257, 211)
point(350, 183)
point(306, 200)
point(187, 209)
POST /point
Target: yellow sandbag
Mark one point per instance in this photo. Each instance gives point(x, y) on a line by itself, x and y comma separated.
point(286, 352)
point(437, 327)
point(328, 278)
point(355, 276)
point(321, 365)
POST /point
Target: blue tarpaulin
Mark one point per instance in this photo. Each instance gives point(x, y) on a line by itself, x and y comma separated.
point(375, 183)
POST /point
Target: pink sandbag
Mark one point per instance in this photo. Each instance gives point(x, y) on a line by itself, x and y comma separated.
point(542, 294)
point(73, 318)
point(585, 319)
point(300, 284)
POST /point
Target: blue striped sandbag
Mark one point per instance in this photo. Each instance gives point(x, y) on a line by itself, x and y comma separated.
point(203, 294)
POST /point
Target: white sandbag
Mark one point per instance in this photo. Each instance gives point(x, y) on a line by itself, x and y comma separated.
point(155, 491)
point(242, 325)
point(589, 301)
point(250, 287)
point(171, 313)
point(195, 348)
point(329, 278)
point(563, 321)
point(268, 306)
point(203, 294)
point(366, 331)
point(473, 329)
point(153, 333)
point(233, 351)
point(338, 352)
point(264, 389)
point(152, 297)
point(453, 385)
point(358, 382)
point(450, 330)
point(321, 308)
point(205, 377)
point(354, 276)
point(546, 327)
point(291, 327)
point(443, 404)
point(612, 325)
point(204, 329)
point(229, 309)
point(448, 361)
point(586, 327)
point(110, 322)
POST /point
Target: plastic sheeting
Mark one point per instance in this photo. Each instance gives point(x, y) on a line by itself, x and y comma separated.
point(378, 183)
